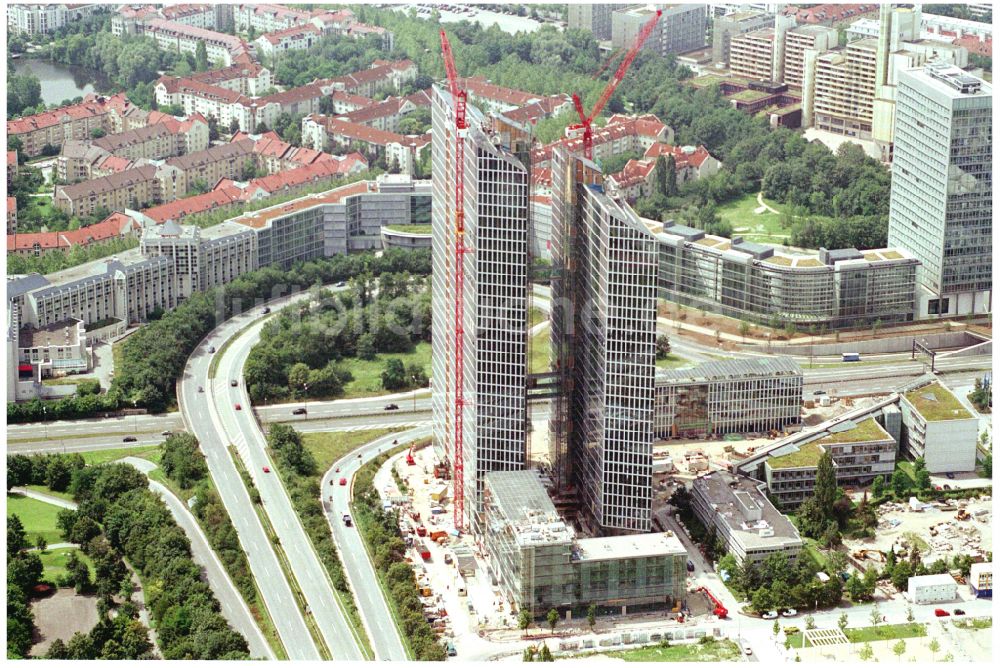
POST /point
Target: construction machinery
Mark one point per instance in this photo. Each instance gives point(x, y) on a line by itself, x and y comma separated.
point(609, 90)
point(720, 610)
point(458, 99)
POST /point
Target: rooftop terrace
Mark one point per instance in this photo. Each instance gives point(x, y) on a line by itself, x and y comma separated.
point(807, 456)
point(868, 430)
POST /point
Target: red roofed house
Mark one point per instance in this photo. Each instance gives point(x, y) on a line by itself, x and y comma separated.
point(382, 74)
point(75, 121)
point(116, 226)
point(622, 134)
point(225, 194)
point(295, 38)
point(323, 132)
point(11, 166)
point(11, 215)
point(830, 13)
point(296, 180)
point(635, 180)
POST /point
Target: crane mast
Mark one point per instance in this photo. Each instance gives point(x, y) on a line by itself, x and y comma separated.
point(459, 98)
point(609, 90)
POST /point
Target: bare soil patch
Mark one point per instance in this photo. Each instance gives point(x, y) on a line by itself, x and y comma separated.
point(60, 616)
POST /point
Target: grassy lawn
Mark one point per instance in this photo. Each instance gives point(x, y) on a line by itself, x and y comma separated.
point(96, 457)
point(814, 552)
point(329, 446)
point(672, 361)
point(538, 351)
point(38, 518)
point(886, 632)
point(759, 227)
point(368, 373)
point(68, 380)
point(716, 650)
point(52, 439)
point(54, 562)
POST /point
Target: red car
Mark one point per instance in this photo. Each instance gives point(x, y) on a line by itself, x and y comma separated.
point(343, 482)
point(267, 469)
point(938, 612)
point(238, 407)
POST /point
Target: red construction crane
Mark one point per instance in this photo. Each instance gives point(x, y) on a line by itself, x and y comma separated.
point(458, 97)
point(585, 120)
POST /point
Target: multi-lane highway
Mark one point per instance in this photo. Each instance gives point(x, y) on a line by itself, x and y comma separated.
point(202, 419)
point(241, 429)
point(357, 564)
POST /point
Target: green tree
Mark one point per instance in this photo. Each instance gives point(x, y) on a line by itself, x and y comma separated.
point(825, 491)
point(866, 653)
point(660, 176)
point(524, 621)
point(744, 328)
point(662, 346)
point(592, 617)
point(899, 649)
point(41, 544)
point(842, 622)
point(671, 177)
point(201, 57)
point(875, 616)
point(810, 622)
point(900, 483)
point(545, 655)
point(878, 487)
point(366, 346)
point(934, 646)
point(552, 618)
point(394, 374)
point(909, 614)
point(761, 600)
point(16, 540)
point(776, 628)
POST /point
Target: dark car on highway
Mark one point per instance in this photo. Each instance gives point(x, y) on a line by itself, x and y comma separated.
point(129, 439)
point(299, 411)
point(392, 407)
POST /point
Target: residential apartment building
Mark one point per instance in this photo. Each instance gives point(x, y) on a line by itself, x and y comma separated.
point(226, 105)
point(495, 308)
point(681, 28)
point(381, 75)
point(130, 189)
point(595, 18)
point(75, 121)
point(47, 17)
point(611, 309)
point(728, 26)
point(744, 519)
point(268, 18)
point(728, 397)
point(295, 38)
point(752, 55)
point(11, 215)
point(861, 451)
point(59, 348)
point(340, 136)
point(223, 161)
point(540, 564)
point(937, 427)
point(622, 134)
point(839, 89)
point(250, 79)
point(182, 38)
point(941, 200)
point(797, 41)
point(116, 226)
point(637, 178)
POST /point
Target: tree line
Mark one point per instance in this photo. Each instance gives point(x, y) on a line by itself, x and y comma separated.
point(148, 368)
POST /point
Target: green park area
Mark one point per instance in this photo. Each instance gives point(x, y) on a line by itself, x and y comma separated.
point(410, 229)
point(368, 373)
point(763, 227)
point(37, 517)
point(54, 562)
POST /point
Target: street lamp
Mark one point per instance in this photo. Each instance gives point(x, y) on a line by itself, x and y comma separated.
point(305, 401)
point(413, 377)
point(45, 424)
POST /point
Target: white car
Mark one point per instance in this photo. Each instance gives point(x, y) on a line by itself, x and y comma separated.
point(773, 614)
point(746, 649)
point(791, 612)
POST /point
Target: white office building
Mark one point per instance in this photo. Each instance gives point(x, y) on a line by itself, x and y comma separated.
point(942, 187)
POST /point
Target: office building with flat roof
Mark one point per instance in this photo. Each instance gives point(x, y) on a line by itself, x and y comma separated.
point(942, 187)
point(861, 451)
point(832, 289)
point(797, 40)
point(728, 397)
point(605, 341)
point(595, 18)
point(747, 523)
point(938, 427)
point(729, 26)
point(540, 563)
point(495, 302)
point(751, 55)
point(681, 28)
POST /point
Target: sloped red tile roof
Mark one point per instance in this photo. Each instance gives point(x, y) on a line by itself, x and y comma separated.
point(635, 171)
point(297, 31)
point(11, 158)
point(223, 195)
point(682, 158)
point(109, 228)
point(480, 87)
point(976, 45)
point(91, 106)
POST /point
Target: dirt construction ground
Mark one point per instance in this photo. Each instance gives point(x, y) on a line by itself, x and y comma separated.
point(898, 524)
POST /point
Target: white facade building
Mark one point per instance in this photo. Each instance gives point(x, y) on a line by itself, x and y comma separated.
point(924, 589)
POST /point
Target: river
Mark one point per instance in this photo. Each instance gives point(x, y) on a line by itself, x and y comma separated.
point(62, 82)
